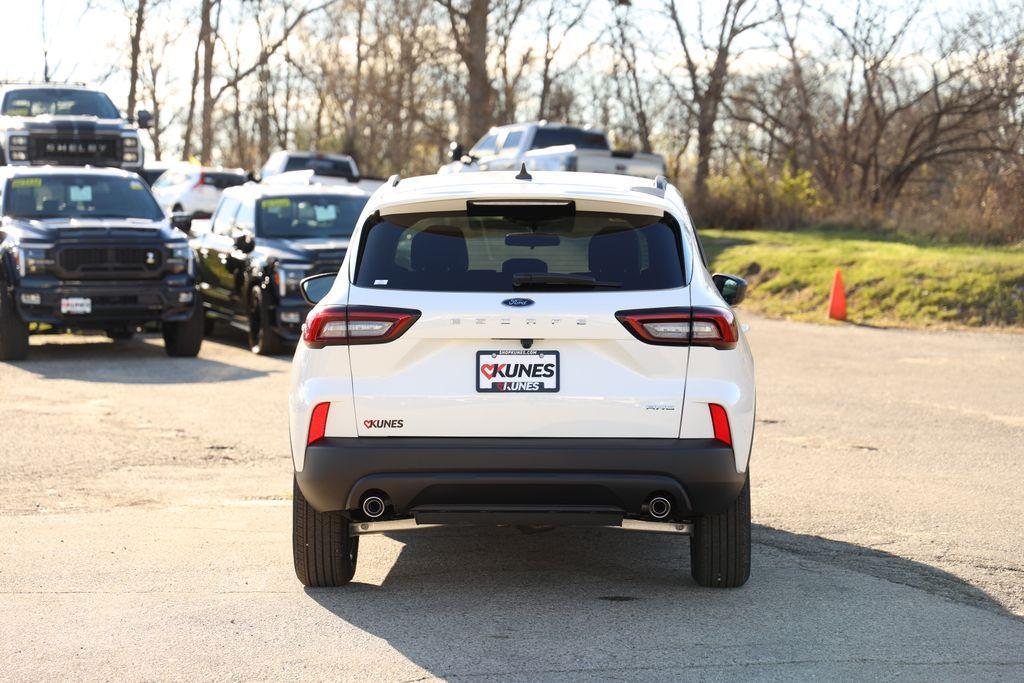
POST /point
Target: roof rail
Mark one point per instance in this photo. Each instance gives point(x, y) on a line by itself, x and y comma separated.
point(394, 180)
point(661, 182)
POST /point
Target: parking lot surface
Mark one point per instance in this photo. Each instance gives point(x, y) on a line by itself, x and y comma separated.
point(146, 520)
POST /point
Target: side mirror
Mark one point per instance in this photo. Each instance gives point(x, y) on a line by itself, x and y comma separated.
point(732, 287)
point(455, 152)
point(244, 242)
point(143, 119)
point(182, 221)
point(316, 287)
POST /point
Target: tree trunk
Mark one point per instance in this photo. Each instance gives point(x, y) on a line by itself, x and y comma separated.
point(209, 45)
point(136, 48)
point(190, 116)
point(480, 116)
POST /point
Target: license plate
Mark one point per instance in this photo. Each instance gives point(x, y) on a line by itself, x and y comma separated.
point(76, 305)
point(517, 371)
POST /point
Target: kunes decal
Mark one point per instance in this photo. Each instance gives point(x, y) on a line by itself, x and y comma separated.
point(383, 424)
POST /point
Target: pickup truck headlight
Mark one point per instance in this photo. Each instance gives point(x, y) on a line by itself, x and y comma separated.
point(288, 277)
point(131, 143)
point(179, 257)
point(33, 259)
point(17, 141)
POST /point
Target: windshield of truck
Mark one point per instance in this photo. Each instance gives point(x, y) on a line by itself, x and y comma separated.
point(58, 102)
point(79, 196)
point(459, 252)
point(303, 216)
point(582, 139)
point(488, 144)
point(325, 166)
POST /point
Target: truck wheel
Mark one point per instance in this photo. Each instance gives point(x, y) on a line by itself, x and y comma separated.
point(720, 546)
point(13, 331)
point(324, 551)
point(183, 339)
point(262, 338)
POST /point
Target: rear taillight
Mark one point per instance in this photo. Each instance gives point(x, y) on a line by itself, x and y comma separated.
point(720, 423)
point(702, 326)
point(344, 326)
point(318, 423)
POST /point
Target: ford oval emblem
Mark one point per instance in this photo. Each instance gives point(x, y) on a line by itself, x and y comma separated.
point(517, 302)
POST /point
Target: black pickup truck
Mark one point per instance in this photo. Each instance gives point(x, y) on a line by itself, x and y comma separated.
point(70, 125)
point(89, 249)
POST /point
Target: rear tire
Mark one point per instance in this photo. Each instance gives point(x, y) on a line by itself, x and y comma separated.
point(13, 331)
point(263, 340)
point(183, 339)
point(720, 545)
point(325, 553)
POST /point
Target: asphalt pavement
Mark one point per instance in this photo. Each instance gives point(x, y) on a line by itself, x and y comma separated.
point(146, 522)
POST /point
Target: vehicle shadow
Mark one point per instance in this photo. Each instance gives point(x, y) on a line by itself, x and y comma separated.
point(141, 360)
point(232, 336)
point(606, 603)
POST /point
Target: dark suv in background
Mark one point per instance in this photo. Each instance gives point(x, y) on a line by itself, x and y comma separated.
point(43, 124)
point(88, 249)
point(260, 243)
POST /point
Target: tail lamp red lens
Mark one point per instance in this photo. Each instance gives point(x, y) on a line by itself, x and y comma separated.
point(348, 325)
point(699, 326)
point(318, 423)
point(720, 423)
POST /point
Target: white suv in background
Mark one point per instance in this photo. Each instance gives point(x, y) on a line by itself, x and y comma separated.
point(503, 348)
point(195, 190)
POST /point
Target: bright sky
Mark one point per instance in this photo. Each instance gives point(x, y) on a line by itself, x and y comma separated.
point(87, 37)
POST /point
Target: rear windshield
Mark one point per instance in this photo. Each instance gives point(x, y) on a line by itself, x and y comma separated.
point(223, 181)
point(457, 252)
point(57, 102)
point(325, 166)
point(308, 216)
point(553, 137)
point(79, 196)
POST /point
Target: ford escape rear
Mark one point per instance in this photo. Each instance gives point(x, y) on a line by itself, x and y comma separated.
point(516, 349)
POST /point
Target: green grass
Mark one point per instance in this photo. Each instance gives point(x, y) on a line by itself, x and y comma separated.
point(888, 282)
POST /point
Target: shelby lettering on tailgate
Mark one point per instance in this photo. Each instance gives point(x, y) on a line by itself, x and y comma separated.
point(517, 371)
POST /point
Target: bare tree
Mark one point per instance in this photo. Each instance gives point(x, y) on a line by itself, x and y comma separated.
point(138, 20)
point(471, 34)
point(560, 19)
point(707, 55)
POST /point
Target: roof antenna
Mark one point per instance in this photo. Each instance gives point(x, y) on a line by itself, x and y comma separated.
point(523, 173)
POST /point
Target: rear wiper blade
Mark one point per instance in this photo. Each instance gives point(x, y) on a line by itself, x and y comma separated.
point(551, 280)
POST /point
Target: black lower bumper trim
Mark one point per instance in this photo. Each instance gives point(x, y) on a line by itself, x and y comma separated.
point(124, 301)
point(465, 475)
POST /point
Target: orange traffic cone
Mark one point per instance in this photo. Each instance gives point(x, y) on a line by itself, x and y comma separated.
point(837, 300)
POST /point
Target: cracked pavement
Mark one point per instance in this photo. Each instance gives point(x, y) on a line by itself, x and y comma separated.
point(146, 521)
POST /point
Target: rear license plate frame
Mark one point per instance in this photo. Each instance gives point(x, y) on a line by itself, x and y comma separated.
point(521, 384)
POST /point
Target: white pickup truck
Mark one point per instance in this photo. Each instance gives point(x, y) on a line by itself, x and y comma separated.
point(551, 147)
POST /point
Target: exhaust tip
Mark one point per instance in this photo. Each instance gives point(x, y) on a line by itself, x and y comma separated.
point(659, 507)
point(373, 507)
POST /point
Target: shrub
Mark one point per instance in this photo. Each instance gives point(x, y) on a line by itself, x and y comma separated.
point(753, 196)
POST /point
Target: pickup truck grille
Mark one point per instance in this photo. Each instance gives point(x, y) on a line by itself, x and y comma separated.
point(69, 149)
point(110, 262)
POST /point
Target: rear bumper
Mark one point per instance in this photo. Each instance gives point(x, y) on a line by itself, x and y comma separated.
point(430, 476)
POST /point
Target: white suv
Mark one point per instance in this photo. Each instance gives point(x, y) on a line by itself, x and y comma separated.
point(502, 348)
